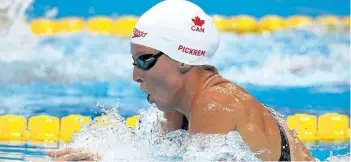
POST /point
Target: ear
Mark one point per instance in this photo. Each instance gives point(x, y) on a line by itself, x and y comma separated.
point(183, 67)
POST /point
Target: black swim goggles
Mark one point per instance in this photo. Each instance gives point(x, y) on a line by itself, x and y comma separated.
point(146, 61)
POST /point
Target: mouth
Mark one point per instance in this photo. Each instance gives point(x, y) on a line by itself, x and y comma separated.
point(148, 98)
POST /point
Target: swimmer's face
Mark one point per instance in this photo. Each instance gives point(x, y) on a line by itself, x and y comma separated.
point(162, 82)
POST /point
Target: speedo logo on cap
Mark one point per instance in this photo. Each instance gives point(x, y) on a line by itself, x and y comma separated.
point(191, 51)
point(138, 33)
point(198, 25)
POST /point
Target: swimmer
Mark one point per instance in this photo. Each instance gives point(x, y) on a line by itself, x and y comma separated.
point(171, 46)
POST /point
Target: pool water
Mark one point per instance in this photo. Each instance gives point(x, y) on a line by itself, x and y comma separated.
point(36, 151)
point(25, 152)
point(303, 70)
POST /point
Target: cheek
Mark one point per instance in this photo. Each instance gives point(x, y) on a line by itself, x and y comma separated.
point(163, 84)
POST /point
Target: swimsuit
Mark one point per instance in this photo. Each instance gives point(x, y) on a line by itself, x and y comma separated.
point(285, 148)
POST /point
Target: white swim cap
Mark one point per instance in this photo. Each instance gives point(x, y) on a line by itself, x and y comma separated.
point(180, 29)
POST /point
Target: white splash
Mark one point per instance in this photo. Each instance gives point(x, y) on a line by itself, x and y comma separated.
point(115, 143)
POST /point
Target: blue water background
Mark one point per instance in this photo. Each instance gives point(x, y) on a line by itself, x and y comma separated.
point(257, 8)
point(62, 98)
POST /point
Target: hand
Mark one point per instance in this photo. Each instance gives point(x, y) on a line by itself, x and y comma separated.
point(73, 154)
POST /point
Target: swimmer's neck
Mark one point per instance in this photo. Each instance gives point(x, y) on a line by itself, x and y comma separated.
point(195, 81)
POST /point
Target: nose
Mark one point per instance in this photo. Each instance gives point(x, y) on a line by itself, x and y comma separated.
point(136, 75)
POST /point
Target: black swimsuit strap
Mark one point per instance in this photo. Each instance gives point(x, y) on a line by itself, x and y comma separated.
point(285, 147)
point(185, 124)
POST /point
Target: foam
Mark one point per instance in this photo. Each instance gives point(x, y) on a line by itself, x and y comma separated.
point(115, 143)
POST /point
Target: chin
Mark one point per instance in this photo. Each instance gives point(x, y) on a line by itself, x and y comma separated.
point(163, 108)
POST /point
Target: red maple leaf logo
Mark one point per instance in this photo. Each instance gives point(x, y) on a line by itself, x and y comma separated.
point(197, 21)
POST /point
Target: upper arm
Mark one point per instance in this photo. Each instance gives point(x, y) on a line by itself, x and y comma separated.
point(255, 138)
point(217, 113)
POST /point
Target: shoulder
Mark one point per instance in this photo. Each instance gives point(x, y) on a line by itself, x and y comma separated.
point(225, 97)
point(216, 109)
